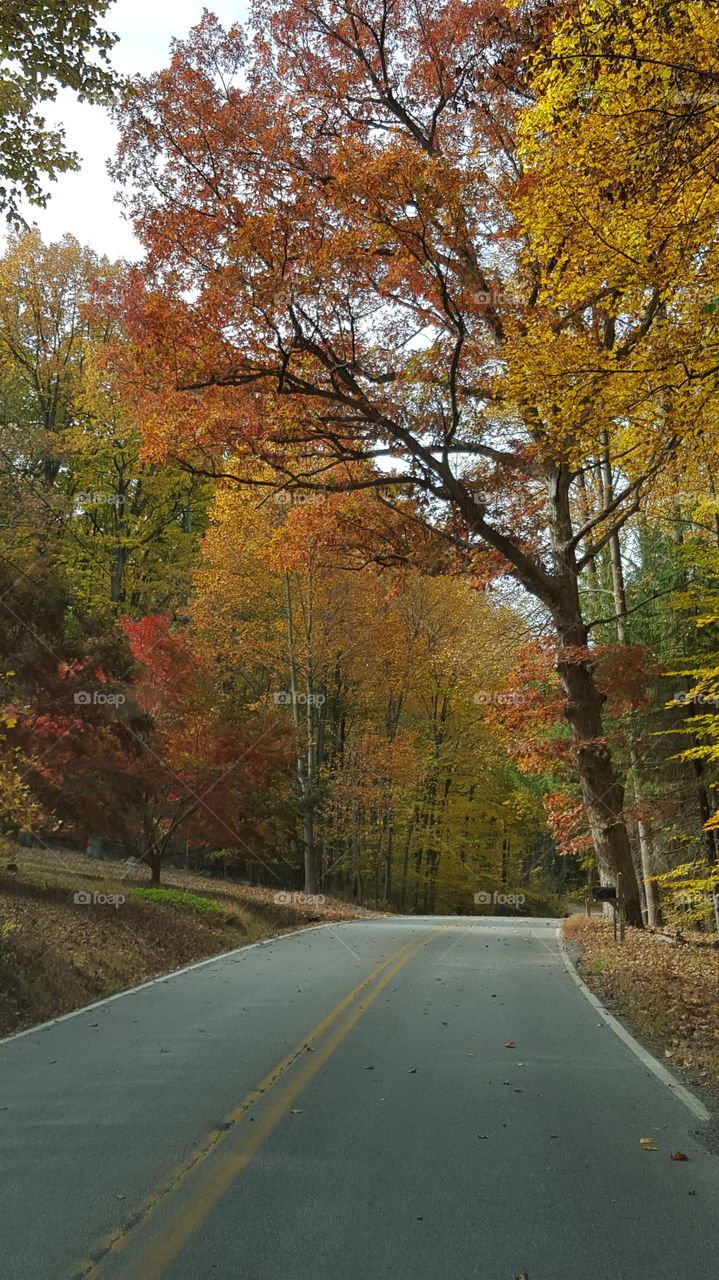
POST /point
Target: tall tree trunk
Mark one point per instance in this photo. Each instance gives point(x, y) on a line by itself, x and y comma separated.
point(304, 759)
point(602, 792)
point(387, 885)
point(405, 859)
point(710, 837)
point(646, 846)
point(355, 870)
point(648, 885)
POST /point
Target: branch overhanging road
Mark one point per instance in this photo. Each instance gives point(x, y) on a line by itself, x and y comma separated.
point(380, 1099)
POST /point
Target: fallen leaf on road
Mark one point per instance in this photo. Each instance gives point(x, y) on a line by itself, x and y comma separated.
point(679, 1155)
point(647, 1144)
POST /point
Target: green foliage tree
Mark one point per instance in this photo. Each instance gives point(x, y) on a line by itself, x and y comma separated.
point(45, 45)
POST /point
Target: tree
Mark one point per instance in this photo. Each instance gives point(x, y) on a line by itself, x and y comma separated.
point(401, 788)
point(45, 330)
point(123, 530)
point(337, 276)
point(131, 527)
point(194, 770)
point(45, 45)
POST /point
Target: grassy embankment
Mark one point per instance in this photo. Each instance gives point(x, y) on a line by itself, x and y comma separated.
point(57, 954)
point(668, 992)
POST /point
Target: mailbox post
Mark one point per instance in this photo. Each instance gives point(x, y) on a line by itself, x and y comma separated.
point(607, 893)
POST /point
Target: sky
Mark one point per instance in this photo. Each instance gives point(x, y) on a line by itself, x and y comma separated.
point(82, 203)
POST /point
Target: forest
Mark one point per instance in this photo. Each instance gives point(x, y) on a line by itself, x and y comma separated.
point(363, 537)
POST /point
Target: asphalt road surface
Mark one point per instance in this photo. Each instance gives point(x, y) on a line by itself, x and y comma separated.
point(377, 1100)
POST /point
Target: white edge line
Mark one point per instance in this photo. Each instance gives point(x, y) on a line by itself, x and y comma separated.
point(645, 1057)
point(163, 977)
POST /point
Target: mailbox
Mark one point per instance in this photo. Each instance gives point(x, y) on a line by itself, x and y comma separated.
point(604, 893)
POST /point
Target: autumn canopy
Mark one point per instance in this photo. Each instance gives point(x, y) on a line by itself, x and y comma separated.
point(442, 279)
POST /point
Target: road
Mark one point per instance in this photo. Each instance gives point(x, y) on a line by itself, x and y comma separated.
point(381, 1099)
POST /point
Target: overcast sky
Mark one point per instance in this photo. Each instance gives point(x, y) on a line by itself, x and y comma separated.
point(82, 202)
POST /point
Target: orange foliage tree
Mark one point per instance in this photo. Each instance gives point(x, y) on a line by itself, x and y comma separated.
point(336, 283)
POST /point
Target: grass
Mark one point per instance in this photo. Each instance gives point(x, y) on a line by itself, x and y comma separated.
point(177, 899)
point(58, 953)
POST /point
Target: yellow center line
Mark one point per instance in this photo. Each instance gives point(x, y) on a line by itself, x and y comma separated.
point(174, 1234)
point(117, 1240)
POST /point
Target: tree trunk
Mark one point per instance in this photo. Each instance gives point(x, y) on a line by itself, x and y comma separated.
point(602, 792)
point(387, 885)
point(648, 886)
point(710, 837)
point(355, 869)
point(305, 760)
point(646, 849)
point(405, 859)
point(117, 579)
point(154, 861)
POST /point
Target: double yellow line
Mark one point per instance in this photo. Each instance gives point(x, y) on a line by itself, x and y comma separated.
point(170, 1237)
